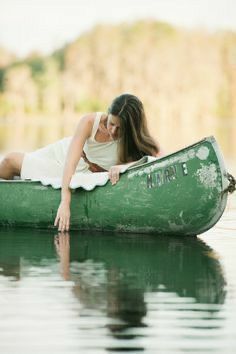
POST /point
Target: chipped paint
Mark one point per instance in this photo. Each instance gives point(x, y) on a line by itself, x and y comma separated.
point(175, 227)
point(41, 187)
point(138, 229)
point(181, 225)
point(202, 153)
point(207, 175)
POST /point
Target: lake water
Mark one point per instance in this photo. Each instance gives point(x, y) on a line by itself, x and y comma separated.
point(99, 293)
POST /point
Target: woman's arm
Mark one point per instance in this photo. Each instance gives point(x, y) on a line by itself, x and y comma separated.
point(74, 153)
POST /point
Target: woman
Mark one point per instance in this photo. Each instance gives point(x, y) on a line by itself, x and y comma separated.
point(101, 142)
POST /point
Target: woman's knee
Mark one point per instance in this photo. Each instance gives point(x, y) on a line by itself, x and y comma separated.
point(13, 161)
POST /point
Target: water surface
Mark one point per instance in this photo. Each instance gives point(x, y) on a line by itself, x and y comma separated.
point(99, 293)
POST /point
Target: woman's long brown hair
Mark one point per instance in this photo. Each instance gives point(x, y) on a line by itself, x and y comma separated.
point(135, 139)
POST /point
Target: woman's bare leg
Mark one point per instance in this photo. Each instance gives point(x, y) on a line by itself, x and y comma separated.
point(11, 165)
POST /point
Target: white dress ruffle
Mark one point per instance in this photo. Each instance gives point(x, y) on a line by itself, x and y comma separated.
point(88, 181)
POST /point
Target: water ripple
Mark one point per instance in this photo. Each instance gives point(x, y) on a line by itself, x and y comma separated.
point(100, 293)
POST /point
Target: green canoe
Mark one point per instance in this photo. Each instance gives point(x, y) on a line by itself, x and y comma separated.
point(184, 193)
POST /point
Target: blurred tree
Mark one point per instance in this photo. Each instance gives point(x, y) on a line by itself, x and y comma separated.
point(187, 80)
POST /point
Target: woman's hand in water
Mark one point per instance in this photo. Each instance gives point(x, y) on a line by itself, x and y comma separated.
point(114, 173)
point(63, 217)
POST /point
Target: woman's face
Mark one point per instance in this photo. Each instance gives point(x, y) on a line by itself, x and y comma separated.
point(113, 126)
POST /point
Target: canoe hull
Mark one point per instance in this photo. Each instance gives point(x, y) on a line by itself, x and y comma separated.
point(180, 194)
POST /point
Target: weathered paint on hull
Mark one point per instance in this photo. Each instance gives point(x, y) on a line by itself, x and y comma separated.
point(180, 194)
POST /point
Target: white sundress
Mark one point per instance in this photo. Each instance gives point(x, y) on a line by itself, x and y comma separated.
point(48, 162)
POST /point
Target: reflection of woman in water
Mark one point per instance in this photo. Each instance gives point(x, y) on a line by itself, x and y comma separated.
point(62, 244)
point(186, 267)
point(122, 301)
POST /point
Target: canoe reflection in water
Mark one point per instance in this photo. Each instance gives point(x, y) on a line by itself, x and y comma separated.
point(82, 291)
point(115, 273)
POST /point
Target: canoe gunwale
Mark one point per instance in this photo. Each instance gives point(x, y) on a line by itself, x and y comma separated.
point(209, 139)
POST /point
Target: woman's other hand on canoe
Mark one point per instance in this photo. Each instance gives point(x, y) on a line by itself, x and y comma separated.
point(114, 174)
point(63, 217)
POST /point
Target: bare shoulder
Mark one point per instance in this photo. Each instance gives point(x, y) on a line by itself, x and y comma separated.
point(85, 125)
point(88, 119)
point(86, 122)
